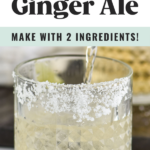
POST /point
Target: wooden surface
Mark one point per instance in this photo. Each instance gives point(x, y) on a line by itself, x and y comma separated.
point(7, 123)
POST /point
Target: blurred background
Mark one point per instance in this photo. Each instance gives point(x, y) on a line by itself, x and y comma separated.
point(9, 58)
point(137, 57)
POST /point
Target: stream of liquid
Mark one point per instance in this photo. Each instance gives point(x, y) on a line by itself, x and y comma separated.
point(90, 59)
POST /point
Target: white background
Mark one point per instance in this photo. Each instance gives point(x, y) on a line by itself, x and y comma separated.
point(9, 19)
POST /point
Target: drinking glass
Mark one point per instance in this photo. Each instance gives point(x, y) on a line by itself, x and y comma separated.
point(55, 110)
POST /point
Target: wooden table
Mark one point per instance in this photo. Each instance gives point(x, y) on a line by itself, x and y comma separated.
point(7, 122)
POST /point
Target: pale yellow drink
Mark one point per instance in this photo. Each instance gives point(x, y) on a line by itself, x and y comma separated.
point(33, 136)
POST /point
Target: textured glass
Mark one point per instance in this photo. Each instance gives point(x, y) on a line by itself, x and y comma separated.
point(65, 113)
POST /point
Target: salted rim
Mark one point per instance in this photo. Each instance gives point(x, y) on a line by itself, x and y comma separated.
point(53, 56)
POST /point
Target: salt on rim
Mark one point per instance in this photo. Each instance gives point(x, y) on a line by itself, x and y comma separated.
point(82, 100)
point(59, 97)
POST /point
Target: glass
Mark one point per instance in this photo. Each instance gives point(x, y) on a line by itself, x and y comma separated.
point(139, 59)
point(65, 113)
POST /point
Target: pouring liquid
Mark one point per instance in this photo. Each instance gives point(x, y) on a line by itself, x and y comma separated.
point(91, 52)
